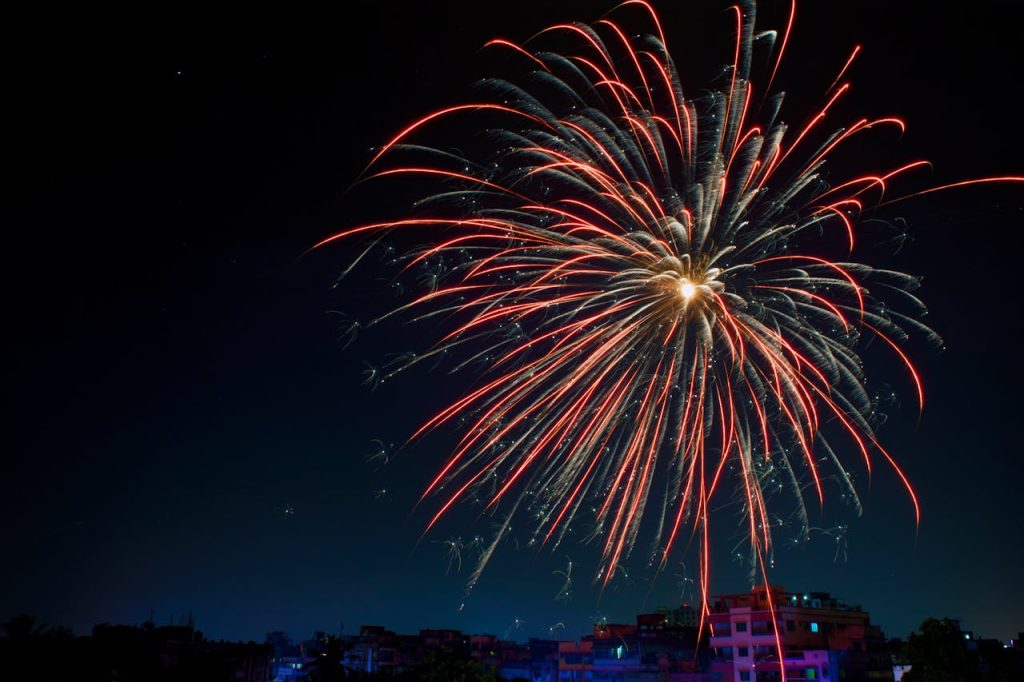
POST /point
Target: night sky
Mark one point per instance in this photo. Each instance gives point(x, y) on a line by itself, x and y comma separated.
point(184, 432)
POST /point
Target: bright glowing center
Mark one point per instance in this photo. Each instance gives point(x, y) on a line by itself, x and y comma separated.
point(688, 290)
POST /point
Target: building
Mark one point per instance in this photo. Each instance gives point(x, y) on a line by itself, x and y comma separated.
point(684, 615)
point(288, 663)
point(654, 649)
point(537, 660)
point(379, 650)
point(576, 661)
point(820, 638)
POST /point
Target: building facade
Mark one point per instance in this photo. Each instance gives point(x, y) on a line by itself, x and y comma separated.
point(819, 638)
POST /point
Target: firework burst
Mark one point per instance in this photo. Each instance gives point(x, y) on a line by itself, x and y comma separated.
point(650, 284)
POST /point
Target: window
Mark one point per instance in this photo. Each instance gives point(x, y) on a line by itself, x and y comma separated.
point(741, 626)
point(745, 675)
point(811, 674)
point(814, 627)
point(790, 625)
point(743, 652)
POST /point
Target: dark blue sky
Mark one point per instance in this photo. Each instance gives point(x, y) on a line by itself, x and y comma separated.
point(185, 433)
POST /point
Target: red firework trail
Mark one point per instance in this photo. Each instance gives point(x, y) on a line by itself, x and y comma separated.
point(644, 277)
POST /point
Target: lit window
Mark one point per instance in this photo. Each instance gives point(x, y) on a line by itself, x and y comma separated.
point(812, 674)
point(814, 627)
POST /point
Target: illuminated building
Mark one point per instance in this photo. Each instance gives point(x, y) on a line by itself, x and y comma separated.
point(821, 638)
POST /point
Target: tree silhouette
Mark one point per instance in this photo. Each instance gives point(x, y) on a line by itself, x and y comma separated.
point(23, 627)
point(938, 653)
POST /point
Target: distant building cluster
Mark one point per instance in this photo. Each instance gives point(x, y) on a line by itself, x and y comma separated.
point(659, 646)
point(813, 637)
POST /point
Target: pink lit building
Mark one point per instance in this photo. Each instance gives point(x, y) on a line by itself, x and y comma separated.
point(822, 638)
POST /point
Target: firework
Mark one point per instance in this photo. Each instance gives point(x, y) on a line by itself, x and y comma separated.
point(649, 281)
